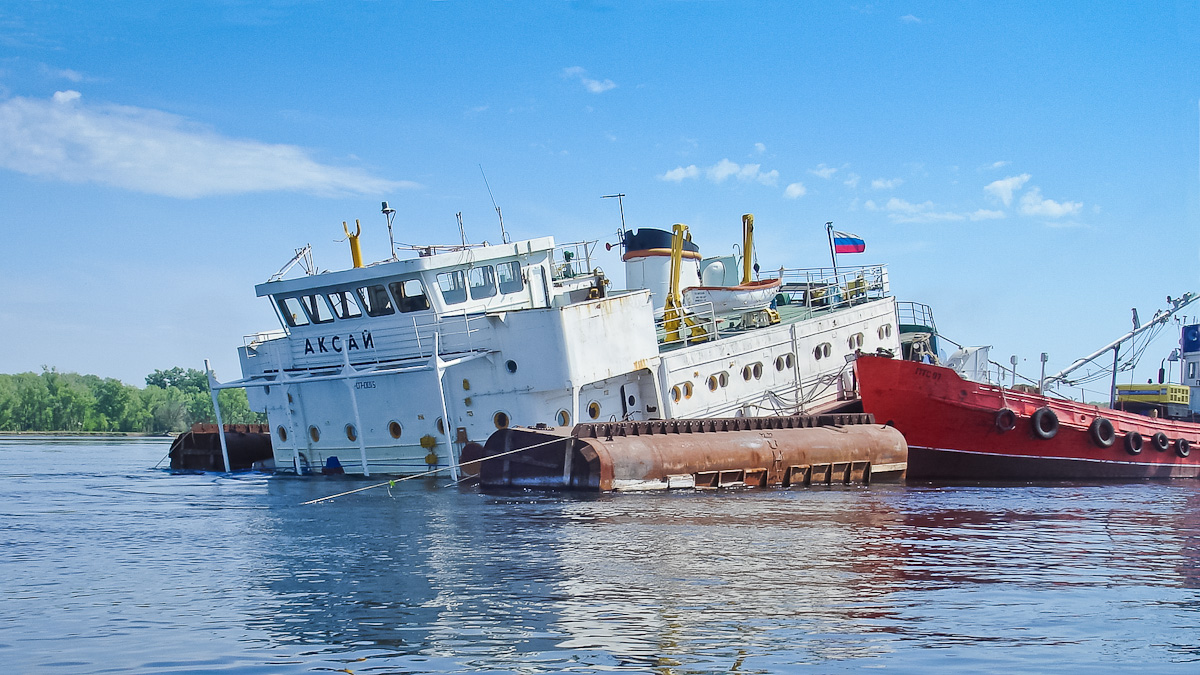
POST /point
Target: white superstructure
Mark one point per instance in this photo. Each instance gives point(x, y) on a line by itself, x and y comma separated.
point(395, 367)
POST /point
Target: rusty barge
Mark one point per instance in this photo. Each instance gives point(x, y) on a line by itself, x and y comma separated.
point(784, 451)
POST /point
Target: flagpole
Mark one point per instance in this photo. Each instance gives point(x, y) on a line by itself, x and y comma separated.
point(832, 254)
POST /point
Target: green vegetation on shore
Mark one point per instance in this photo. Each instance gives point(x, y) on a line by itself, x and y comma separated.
point(171, 401)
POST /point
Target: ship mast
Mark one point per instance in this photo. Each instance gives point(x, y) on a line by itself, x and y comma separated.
point(1160, 317)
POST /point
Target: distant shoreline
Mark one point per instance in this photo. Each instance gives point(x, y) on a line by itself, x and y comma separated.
point(91, 434)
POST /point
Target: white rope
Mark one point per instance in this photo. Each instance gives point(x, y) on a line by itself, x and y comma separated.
point(392, 482)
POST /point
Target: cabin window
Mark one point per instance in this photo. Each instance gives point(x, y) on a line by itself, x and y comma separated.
point(482, 281)
point(375, 300)
point(344, 304)
point(453, 288)
point(293, 313)
point(410, 295)
point(318, 311)
point(509, 275)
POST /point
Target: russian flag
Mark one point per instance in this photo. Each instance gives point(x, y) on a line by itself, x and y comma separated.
point(848, 243)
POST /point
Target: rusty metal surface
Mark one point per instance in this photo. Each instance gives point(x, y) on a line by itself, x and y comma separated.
point(200, 448)
point(710, 453)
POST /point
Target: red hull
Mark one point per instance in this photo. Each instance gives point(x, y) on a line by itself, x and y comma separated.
point(953, 433)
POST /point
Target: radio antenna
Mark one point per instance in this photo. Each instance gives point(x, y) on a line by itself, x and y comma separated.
point(503, 234)
point(390, 214)
point(620, 202)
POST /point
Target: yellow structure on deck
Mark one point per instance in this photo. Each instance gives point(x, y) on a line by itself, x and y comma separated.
point(355, 251)
point(1153, 393)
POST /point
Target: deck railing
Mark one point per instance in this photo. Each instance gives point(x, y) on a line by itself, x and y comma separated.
point(573, 259)
point(697, 323)
point(822, 287)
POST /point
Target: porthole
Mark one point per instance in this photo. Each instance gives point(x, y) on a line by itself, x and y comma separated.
point(500, 419)
point(395, 429)
point(816, 353)
point(789, 359)
point(281, 432)
point(747, 373)
point(315, 434)
point(826, 349)
point(713, 383)
point(563, 418)
point(511, 365)
point(855, 341)
point(351, 433)
point(723, 378)
point(779, 364)
point(441, 426)
point(594, 410)
point(676, 393)
point(687, 389)
point(758, 371)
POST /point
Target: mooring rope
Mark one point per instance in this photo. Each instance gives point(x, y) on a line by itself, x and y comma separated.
point(391, 483)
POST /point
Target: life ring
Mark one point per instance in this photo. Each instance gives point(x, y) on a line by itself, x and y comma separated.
point(1044, 423)
point(1006, 420)
point(1182, 447)
point(1102, 432)
point(1133, 443)
point(1160, 442)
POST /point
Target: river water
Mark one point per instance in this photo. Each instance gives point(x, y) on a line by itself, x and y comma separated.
point(110, 565)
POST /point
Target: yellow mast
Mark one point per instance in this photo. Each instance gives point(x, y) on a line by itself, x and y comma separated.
point(673, 314)
point(355, 252)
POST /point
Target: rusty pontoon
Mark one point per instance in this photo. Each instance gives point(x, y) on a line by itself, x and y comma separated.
point(789, 451)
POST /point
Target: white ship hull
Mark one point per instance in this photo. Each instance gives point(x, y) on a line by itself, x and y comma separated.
point(405, 392)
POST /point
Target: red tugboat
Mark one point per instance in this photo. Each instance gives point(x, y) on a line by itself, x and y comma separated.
point(958, 429)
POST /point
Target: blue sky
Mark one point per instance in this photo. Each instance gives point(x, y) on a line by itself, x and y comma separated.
point(1030, 171)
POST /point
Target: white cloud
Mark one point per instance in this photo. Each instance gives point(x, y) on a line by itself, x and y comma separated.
point(594, 86)
point(986, 214)
point(1004, 188)
point(852, 180)
point(823, 171)
point(870, 205)
point(724, 169)
point(1033, 204)
point(909, 18)
point(888, 184)
point(159, 153)
point(760, 148)
point(996, 165)
point(795, 191)
point(901, 211)
point(677, 174)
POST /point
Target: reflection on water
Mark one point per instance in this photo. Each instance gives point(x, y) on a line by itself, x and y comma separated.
point(109, 564)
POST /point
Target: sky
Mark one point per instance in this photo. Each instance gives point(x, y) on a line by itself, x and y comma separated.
point(1027, 169)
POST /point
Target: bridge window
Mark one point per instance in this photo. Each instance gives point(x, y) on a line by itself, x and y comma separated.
point(318, 311)
point(410, 294)
point(509, 274)
point(293, 313)
point(482, 281)
point(344, 304)
point(375, 300)
point(454, 290)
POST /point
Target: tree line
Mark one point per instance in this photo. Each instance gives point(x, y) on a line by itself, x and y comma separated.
point(171, 401)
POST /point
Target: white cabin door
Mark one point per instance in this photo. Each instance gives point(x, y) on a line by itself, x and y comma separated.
point(632, 407)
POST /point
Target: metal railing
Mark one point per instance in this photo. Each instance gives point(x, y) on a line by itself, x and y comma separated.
point(915, 314)
point(697, 323)
point(821, 287)
point(573, 259)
